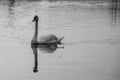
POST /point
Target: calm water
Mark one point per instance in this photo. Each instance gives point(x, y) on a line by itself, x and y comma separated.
point(91, 44)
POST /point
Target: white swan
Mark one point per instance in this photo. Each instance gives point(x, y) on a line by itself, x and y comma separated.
point(48, 39)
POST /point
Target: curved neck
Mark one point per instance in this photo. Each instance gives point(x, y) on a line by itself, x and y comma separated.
point(34, 40)
point(36, 29)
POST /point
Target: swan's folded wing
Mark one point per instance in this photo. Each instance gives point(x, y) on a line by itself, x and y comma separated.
point(48, 39)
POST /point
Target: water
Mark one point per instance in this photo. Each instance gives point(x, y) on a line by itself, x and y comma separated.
point(91, 43)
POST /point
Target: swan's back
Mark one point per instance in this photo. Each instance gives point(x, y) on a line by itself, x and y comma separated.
point(50, 38)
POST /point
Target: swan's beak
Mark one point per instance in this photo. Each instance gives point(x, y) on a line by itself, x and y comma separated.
point(33, 20)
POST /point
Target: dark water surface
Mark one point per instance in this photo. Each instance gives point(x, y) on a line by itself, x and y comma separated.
point(91, 44)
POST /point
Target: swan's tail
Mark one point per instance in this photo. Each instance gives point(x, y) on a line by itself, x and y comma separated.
point(60, 39)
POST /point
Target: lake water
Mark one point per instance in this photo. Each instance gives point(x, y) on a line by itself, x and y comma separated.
point(91, 44)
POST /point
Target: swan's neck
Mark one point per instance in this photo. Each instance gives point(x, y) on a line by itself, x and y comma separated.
point(34, 40)
point(36, 29)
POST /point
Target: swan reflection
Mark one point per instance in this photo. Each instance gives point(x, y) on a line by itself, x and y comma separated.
point(44, 48)
point(48, 48)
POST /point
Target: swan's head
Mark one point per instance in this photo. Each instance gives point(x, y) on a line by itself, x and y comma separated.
point(36, 18)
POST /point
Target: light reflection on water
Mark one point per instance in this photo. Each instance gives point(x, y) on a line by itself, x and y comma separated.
point(91, 46)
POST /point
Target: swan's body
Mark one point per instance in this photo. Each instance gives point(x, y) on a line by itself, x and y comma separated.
point(48, 39)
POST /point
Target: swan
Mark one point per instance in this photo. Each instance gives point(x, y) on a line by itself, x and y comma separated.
point(48, 39)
